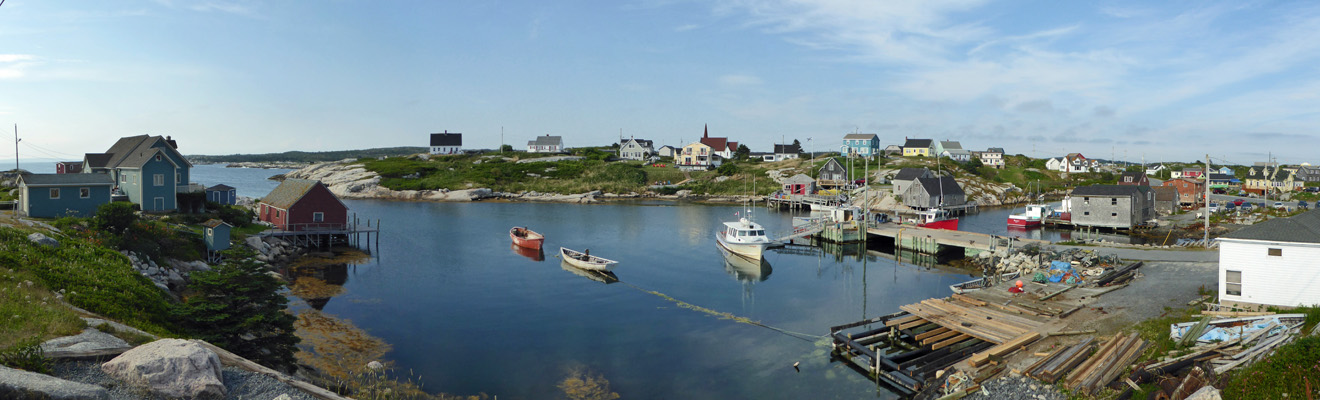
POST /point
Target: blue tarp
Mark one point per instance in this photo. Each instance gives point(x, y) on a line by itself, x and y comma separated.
point(1058, 269)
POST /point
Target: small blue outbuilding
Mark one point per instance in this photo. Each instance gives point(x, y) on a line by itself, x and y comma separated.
point(223, 194)
point(59, 195)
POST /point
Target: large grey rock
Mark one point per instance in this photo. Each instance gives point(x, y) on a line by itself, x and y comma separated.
point(18, 384)
point(89, 340)
point(43, 240)
point(256, 244)
point(1206, 393)
point(172, 368)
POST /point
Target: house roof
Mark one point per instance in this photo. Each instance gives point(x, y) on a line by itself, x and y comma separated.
point(800, 178)
point(129, 151)
point(957, 151)
point(788, 149)
point(211, 223)
point(862, 136)
point(917, 143)
point(717, 143)
point(950, 145)
point(999, 150)
point(547, 140)
point(220, 187)
point(1107, 190)
point(733, 146)
point(907, 174)
point(640, 142)
point(96, 160)
point(66, 180)
point(447, 139)
point(1220, 177)
point(1165, 193)
point(289, 192)
point(141, 156)
point(1136, 175)
point(1301, 228)
point(939, 185)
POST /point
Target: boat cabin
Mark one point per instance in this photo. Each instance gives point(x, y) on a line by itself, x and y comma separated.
point(744, 231)
point(932, 215)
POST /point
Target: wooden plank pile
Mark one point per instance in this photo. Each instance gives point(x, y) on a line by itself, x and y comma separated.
point(1107, 363)
point(1118, 275)
point(1004, 349)
point(1058, 363)
point(979, 322)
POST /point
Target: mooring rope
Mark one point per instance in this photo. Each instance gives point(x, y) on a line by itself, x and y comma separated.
point(724, 315)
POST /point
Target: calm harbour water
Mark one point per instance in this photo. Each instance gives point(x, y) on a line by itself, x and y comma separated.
point(468, 314)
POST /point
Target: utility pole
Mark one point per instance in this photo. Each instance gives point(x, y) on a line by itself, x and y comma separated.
point(16, 140)
point(1207, 201)
point(501, 139)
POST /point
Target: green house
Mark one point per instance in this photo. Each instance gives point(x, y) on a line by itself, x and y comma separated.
point(148, 169)
point(58, 195)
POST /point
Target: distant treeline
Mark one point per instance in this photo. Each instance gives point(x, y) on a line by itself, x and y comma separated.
point(304, 156)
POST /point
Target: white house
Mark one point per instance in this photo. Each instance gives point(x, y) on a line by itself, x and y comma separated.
point(959, 155)
point(993, 157)
point(1154, 169)
point(446, 143)
point(546, 144)
point(786, 152)
point(636, 149)
point(1057, 164)
point(1272, 263)
point(666, 151)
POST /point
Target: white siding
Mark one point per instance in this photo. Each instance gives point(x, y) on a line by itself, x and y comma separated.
point(1292, 279)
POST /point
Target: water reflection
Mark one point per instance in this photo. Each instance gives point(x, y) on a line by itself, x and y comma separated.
point(316, 284)
point(745, 270)
point(533, 254)
point(605, 277)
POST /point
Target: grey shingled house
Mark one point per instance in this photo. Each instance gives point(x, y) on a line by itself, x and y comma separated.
point(904, 178)
point(934, 192)
point(1112, 206)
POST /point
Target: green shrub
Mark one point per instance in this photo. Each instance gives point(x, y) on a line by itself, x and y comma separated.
point(727, 169)
point(114, 217)
point(238, 307)
point(237, 217)
point(27, 356)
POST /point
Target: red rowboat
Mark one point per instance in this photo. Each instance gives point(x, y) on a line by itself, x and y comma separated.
point(524, 237)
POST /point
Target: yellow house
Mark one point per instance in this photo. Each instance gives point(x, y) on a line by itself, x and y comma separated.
point(917, 147)
point(696, 156)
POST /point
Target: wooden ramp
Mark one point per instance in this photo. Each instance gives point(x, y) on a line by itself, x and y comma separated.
point(979, 322)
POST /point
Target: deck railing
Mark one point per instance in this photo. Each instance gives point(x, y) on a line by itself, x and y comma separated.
point(189, 188)
point(313, 227)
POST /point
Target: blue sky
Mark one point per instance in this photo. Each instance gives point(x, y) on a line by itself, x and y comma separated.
point(1170, 80)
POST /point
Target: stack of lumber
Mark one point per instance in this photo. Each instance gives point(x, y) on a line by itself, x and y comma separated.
point(1118, 275)
point(1107, 363)
point(1058, 363)
point(1254, 347)
point(1004, 349)
point(979, 322)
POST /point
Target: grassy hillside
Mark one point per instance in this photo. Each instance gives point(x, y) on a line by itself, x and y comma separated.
point(308, 157)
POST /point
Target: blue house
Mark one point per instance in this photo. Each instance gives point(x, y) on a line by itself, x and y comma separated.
point(216, 234)
point(148, 169)
point(58, 195)
point(223, 194)
point(862, 144)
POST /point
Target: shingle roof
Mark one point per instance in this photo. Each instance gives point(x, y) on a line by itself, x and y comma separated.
point(950, 145)
point(917, 143)
point(999, 150)
point(220, 187)
point(788, 149)
point(1220, 177)
point(907, 174)
point(1301, 228)
point(939, 185)
point(96, 160)
point(640, 142)
point(1136, 175)
point(860, 136)
point(547, 140)
point(1165, 193)
point(1107, 190)
point(72, 167)
point(211, 223)
point(799, 178)
point(717, 143)
point(123, 148)
point(289, 192)
point(67, 179)
point(141, 156)
point(447, 139)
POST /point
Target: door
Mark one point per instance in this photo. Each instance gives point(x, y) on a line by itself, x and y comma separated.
point(158, 204)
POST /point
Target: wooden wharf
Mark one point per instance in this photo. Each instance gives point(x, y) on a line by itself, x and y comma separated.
point(935, 241)
point(322, 235)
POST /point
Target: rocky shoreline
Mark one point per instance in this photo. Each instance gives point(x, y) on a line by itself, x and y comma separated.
point(353, 181)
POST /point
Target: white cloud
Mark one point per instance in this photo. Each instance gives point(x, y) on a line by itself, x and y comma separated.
point(686, 27)
point(8, 58)
point(15, 66)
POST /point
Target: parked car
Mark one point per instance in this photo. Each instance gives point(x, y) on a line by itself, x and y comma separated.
point(1220, 191)
point(1214, 207)
point(1302, 204)
point(1230, 207)
point(1312, 189)
point(1238, 202)
point(1279, 204)
point(1247, 206)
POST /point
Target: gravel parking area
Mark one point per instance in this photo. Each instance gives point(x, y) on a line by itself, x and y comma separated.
point(1162, 284)
point(239, 384)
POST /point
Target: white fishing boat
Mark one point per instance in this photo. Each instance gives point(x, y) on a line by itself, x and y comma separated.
point(585, 260)
point(744, 238)
point(1033, 216)
point(980, 283)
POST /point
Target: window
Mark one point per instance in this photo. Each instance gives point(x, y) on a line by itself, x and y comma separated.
point(318, 217)
point(209, 233)
point(158, 180)
point(54, 193)
point(1113, 201)
point(277, 213)
point(1086, 213)
point(178, 177)
point(1113, 214)
point(84, 193)
point(1233, 283)
point(1276, 252)
point(123, 178)
point(158, 157)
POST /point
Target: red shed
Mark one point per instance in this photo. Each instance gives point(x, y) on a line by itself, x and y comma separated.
point(303, 205)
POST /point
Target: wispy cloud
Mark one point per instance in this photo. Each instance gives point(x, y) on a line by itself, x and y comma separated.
point(230, 7)
point(686, 27)
point(15, 66)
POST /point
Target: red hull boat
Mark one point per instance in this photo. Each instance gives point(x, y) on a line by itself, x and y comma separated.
point(524, 237)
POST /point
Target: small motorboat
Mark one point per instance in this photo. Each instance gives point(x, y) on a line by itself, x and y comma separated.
point(743, 238)
point(533, 254)
point(1033, 216)
point(980, 283)
point(585, 260)
point(605, 277)
point(526, 237)
point(937, 218)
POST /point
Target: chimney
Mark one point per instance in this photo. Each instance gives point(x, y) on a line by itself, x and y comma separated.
point(171, 142)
